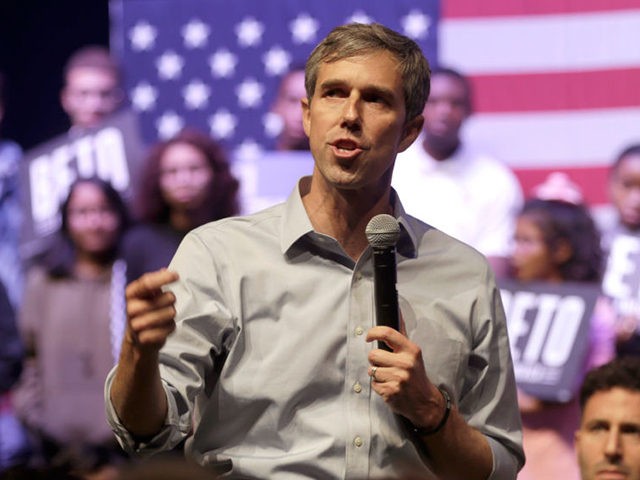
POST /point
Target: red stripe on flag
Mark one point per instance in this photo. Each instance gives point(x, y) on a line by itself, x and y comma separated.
point(592, 181)
point(492, 8)
point(556, 91)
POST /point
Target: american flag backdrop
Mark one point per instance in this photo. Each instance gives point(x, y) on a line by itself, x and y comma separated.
point(216, 64)
point(556, 82)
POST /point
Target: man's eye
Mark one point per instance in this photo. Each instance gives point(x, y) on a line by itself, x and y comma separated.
point(631, 430)
point(598, 427)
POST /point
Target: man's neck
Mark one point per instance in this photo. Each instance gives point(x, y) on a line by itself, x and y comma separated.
point(440, 150)
point(344, 214)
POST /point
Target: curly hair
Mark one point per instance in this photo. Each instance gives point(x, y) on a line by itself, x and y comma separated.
point(561, 221)
point(150, 205)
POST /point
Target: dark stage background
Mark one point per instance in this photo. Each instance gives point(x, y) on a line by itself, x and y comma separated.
point(36, 38)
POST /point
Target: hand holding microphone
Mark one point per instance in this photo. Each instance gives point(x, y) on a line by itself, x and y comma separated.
point(382, 233)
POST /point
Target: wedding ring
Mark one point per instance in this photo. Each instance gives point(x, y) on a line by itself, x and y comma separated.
point(373, 373)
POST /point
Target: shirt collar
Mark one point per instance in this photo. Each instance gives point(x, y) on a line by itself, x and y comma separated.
point(295, 221)
point(407, 245)
point(296, 224)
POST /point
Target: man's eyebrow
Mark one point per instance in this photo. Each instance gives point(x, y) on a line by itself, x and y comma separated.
point(597, 422)
point(382, 91)
point(331, 83)
point(377, 89)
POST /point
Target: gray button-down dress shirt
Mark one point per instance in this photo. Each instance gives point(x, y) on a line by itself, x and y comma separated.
point(269, 353)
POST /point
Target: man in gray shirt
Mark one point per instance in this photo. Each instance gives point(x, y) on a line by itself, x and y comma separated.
point(273, 363)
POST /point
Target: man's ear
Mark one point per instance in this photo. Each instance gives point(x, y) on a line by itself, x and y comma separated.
point(576, 439)
point(410, 132)
point(64, 95)
point(306, 115)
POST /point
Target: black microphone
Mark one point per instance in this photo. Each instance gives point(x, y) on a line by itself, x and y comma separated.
point(382, 233)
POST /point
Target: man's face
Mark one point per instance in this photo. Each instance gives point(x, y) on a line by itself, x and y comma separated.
point(608, 441)
point(446, 109)
point(90, 95)
point(625, 190)
point(289, 108)
point(356, 121)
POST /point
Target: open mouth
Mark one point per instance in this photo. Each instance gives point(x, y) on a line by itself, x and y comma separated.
point(346, 147)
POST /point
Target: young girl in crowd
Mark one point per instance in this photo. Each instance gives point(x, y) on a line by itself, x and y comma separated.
point(186, 182)
point(556, 242)
point(72, 321)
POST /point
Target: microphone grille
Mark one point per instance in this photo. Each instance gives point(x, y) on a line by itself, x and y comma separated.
point(382, 231)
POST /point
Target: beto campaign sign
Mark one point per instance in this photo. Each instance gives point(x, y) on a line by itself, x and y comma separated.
point(621, 280)
point(111, 152)
point(548, 326)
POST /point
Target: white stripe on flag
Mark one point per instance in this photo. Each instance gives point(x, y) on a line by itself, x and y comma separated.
point(542, 43)
point(546, 139)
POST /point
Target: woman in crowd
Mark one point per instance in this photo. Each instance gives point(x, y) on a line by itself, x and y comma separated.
point(72, 321)
point(557, 241)
point(185, 182)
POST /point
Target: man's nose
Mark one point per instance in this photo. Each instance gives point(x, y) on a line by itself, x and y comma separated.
point(351, 112)
point(613, 446)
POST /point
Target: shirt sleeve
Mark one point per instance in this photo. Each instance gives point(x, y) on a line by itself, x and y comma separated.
point(505, 464)
point(489, 400)
point(176, 426)
point(496, 229)
point(188, 357)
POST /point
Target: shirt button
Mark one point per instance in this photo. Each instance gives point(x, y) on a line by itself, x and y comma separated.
point(357, 387)
point(358, 442)
point(359, 331)
point(358, 276)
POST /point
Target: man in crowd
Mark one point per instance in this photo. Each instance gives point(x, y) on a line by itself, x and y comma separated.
point(288, 108)
point(608, 441)
point(273, 366)
point(450, 184)
point(91, 90)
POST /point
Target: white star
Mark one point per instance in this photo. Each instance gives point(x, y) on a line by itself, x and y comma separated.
point(169, 65)
point(222, 124)
point(142, 36)
point(276, 61)
point(248, 150)
point(359, 17)
point(303, 28)
point(195, 33)
point(144, 96)
point(273, 124)
point(169, 124)
point(249, 32)
point(223, 63)
point(196, 95)
point(416, 24)
point(249, 93)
